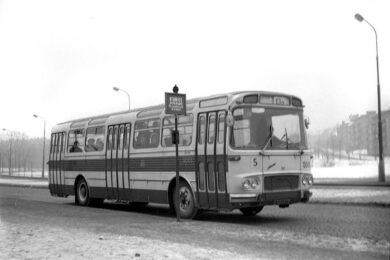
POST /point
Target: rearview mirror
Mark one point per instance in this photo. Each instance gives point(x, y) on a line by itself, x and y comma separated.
point(307, 122)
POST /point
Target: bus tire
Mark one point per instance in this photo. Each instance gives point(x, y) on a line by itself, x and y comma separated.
point(188, 209)
point(82, 197)
point(252, 211)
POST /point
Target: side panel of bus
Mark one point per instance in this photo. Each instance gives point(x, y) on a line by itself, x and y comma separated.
point(211, 160)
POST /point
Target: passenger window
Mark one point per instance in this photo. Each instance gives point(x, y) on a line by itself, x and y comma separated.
point(114, 138)
point(60, 143)
point(55, 144)
point(184, 126)
point(51, 143)
point(109, 142)
point(201, 130)
point(211, 131)
point(95, 139)
point(121, 132)
point(221, 128)
point(76, 141)
point(146, 133)
point(127, 137)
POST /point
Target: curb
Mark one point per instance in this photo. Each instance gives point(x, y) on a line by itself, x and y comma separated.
point(352, 203)
point(351, 184)
point(44, 187)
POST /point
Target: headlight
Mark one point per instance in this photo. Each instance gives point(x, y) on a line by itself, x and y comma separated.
point(254, 184)
point(246, 184)
point(307, 179)
point(251, 183)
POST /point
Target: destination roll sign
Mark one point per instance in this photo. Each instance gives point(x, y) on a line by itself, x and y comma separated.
point(175, 103)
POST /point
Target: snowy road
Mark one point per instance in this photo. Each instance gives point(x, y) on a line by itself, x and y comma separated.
point(33, 224)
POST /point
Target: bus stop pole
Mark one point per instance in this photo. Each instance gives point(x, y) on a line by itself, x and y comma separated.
point(177, 173)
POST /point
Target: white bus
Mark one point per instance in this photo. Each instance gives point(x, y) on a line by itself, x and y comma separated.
point(240, 150)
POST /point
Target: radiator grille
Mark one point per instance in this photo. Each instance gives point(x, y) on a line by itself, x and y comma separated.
point(285, 182)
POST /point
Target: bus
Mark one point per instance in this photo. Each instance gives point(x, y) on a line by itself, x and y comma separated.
point(242, 150)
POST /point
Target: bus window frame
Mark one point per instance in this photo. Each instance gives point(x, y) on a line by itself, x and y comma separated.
point(152, 128)
point(68, 138)
point(186, 124)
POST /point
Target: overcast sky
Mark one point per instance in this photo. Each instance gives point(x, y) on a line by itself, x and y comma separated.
point(60, 59)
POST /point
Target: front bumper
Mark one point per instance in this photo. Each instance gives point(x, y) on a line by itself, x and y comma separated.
point(271, 198)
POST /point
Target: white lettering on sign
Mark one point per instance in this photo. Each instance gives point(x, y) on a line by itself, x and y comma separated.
point(175, 103)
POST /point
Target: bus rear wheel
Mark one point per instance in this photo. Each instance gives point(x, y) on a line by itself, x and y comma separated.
point(187, 205)
point(252, 211)
point(82, 197)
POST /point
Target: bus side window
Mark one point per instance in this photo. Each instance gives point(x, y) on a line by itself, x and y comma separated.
point(76, 141)
point(211, 132)
point(221, 128)
point(60, 143)
point(109, 142)
point(202, 130)
point(127, 137)
point(185, 124)
point(121, 133)
point(114, 138)
point(55, 144)
point(95, 139)
point(146, 133)
point(51, 143)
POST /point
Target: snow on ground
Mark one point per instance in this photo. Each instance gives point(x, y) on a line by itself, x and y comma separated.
point(26, 241)
point(352, 169)
point(379, 196)
point(22, 241)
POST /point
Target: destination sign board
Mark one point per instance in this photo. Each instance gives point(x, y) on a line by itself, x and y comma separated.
point(175, 103)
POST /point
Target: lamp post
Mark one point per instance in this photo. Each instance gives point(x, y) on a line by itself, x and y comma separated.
point(10, 152)
point(44, 137)
point(381, 166)
point(128, 96)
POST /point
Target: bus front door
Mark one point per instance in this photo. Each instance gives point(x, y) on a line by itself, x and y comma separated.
point(211, 160)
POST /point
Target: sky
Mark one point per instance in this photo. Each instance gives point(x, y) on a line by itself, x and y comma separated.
point(61, 59)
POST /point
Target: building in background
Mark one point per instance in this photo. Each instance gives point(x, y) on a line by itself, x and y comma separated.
point(360, 134)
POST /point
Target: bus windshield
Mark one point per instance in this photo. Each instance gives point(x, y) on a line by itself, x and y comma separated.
point(268, 128)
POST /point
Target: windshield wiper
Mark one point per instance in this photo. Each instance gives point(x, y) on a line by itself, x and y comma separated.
point(285, 134)
point(269, 140)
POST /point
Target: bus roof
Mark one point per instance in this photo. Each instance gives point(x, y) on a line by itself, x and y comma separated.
point(232, 96)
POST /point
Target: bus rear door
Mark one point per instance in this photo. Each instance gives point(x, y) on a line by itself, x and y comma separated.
point(117, 170)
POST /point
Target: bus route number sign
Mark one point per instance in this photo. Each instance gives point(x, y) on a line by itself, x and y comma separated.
point(175, 104)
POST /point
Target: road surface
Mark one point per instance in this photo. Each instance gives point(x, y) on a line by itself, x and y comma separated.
point(34, 224)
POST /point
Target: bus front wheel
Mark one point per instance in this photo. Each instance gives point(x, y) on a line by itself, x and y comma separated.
point(252, 211)
point(187, 205)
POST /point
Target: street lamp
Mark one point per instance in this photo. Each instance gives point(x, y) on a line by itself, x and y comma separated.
point(44, 137)
point(381, 166)
point(10, 152)
point(118, 89)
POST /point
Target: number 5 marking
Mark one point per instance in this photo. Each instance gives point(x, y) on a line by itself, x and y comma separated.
point(254, 162)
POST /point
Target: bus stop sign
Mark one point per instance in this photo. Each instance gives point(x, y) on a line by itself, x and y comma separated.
point(175, 103)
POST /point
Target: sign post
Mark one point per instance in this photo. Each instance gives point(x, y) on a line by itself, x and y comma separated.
point(176, 104)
